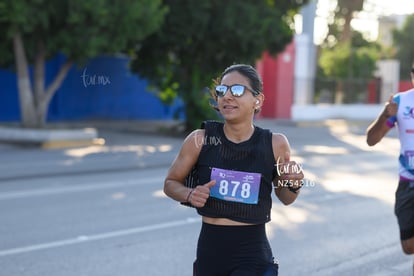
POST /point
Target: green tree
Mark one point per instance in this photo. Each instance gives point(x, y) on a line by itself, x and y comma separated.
point(34, 31)
point(350, 64)
point(350, 59)
point(345, 55)
point(200, 38)
point(344, 15)
point(403, 42)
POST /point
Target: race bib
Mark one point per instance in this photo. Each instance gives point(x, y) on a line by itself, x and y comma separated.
point(235, 186)
point(409, 159)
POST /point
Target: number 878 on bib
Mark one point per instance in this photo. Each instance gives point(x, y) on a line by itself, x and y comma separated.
point(237, 186)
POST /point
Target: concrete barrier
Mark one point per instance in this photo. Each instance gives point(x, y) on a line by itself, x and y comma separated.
point(50, 138)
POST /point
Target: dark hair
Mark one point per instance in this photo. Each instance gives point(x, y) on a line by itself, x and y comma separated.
point(250, 73)
point(247, 71)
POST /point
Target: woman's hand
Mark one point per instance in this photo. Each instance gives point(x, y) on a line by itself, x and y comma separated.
point(199, 195)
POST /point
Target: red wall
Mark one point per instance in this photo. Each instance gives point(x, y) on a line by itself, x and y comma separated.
point(278, 83)
point(405, 85)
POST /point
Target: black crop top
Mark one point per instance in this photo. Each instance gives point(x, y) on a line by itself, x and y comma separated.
point(252, 156)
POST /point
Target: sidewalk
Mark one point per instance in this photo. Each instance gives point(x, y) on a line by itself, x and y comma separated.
point(146, 144)
point(112, 133)
point(76, 134)
point(128, 146)
point(89, 129)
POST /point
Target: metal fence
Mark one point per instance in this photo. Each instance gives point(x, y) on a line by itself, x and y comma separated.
point(350, 91)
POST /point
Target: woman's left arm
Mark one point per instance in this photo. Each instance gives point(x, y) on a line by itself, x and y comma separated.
point(290, 176)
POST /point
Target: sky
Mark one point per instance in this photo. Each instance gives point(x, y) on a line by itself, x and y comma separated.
point(367, 19)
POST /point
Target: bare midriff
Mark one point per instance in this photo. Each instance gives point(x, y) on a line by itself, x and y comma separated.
point(223, 221)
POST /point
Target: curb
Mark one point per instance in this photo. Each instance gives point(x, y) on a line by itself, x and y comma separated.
point(57, 144)
point(313, 123)
point(50, 138)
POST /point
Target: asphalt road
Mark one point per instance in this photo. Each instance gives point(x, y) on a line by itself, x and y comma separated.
point(99, 211)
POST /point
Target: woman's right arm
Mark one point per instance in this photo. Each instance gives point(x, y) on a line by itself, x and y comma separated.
point(182, 165)
point(379, 128)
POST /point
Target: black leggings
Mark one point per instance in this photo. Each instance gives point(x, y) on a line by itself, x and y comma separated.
point(404, 208)
point(233, 250)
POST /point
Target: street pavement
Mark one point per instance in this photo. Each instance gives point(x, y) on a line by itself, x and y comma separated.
point(142, 144)
point(341, 224)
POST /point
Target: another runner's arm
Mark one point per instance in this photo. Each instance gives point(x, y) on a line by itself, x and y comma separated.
point(281, 152)
point(379, 128)
point(182, 165)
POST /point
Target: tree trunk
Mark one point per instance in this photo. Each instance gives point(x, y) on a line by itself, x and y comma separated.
point(27, 108)
point(45, 97)
point(339, 93)
point(346, 34)
point(34, 106)
point(347, 9)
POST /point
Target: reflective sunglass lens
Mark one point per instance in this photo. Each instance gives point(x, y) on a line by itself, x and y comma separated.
point(221, 90)
point(237, 90)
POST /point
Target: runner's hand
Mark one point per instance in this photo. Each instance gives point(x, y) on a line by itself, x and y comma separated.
point(390, 108)
point(290, 171)
point(200, 194)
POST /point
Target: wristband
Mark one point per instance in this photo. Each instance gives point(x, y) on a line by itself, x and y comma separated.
point(294, 190)
point(189, 195)
point(386, 116)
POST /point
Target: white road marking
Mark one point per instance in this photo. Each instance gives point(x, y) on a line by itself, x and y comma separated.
point(102, 236)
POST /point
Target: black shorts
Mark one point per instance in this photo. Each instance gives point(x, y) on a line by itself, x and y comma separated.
point(404, 208)
point(234, 250)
